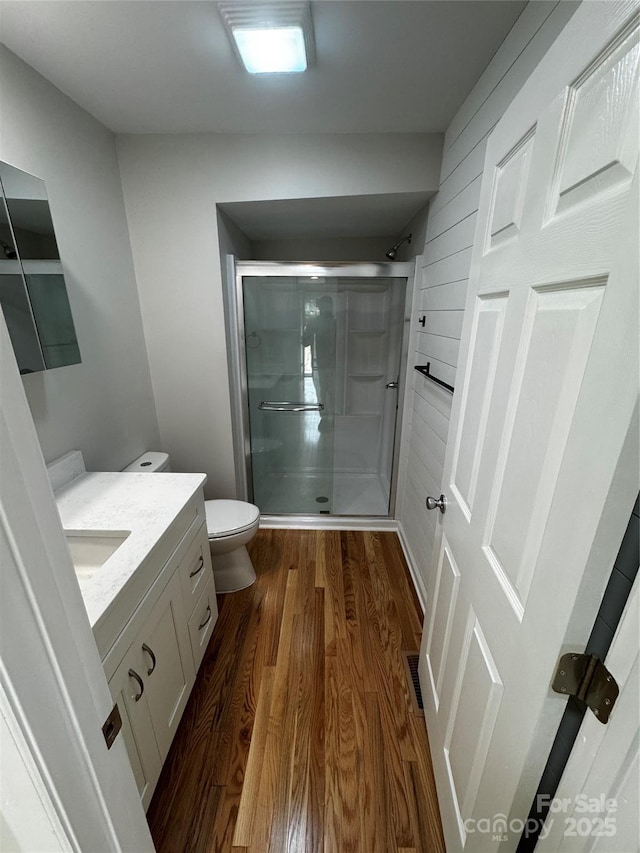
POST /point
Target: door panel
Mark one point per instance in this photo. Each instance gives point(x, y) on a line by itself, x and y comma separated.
point(487, 335)
point(469, 734)
point(510, 183)
point(441, 618)
point(542, 461)
point(593, 156)
point(561, 325)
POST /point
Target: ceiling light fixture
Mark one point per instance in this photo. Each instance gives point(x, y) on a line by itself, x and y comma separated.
point(270, 38)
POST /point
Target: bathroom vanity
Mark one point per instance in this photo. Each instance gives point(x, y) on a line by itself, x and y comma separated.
point(140, 549)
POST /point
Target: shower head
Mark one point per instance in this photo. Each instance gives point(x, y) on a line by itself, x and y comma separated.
point(9, 251)
point(393, 251)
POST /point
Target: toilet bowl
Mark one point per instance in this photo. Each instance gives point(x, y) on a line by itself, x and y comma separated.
point(230, 526)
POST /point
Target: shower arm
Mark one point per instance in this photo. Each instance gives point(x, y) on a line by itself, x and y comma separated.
point(393, 251)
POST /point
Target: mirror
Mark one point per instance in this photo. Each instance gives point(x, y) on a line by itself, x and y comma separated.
point(33, 292)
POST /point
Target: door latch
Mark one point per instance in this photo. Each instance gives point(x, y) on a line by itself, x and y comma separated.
point(587, 678)
point(112, 726)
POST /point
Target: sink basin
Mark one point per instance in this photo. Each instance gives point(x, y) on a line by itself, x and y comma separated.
point(90, 549)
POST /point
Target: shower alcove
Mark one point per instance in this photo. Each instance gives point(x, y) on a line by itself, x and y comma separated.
point(319, 361)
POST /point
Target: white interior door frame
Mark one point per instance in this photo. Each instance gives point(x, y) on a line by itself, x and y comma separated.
point(55, 695)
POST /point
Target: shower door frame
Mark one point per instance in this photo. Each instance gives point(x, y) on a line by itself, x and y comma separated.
point(239, 385)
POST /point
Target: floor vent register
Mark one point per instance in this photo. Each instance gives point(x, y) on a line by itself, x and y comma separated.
point(411, 666)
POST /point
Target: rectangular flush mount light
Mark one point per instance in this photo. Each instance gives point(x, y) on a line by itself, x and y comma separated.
point(270, 38)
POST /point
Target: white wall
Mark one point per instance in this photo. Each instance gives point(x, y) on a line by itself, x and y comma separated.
point(103, 406)
point(442, 277)
point(171, 187)
point(231, 239)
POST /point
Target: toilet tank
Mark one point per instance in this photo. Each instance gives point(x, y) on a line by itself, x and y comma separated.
point(152, 462)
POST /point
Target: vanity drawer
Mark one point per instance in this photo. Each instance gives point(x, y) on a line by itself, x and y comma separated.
point(195, 570)
point(202, 621)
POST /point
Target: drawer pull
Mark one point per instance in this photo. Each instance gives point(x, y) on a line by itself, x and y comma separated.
point(199, 569)
point(207, 620)
point(145, 648)
point(134, 674)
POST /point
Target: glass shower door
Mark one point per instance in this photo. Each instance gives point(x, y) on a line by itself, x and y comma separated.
point(290, 340)
point(322, 366)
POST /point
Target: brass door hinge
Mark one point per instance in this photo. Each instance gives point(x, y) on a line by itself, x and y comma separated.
point(587, 678)
point(112, 726)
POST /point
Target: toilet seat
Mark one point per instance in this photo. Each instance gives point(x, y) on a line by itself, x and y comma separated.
point(228, 518)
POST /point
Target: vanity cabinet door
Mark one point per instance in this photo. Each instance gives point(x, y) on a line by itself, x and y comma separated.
point(162, 652)
point(152, 685)
point(137, 729)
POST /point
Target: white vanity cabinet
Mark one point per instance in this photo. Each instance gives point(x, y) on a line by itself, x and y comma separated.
point(151, 667)
point(151, 603)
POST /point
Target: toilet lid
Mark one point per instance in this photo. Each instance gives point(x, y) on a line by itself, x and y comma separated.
point(227, 517)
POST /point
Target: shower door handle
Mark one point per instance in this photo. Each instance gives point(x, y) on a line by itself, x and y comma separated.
point(284, 406)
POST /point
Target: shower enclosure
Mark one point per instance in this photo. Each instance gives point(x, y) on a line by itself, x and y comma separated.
point(320, 368)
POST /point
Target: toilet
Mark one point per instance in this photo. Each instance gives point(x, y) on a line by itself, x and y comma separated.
point(231, 525)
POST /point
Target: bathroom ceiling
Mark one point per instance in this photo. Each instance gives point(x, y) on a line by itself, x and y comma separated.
point(166, 66)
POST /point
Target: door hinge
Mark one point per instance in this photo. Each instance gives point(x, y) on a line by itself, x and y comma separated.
point(587, 678)
point(112, 726)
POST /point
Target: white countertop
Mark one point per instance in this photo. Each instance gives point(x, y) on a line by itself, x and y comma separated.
point(145, 504)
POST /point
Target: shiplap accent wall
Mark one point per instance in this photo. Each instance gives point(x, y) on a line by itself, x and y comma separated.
point(443, 271)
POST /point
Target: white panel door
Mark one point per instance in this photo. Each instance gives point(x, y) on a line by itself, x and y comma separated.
point(542, 460)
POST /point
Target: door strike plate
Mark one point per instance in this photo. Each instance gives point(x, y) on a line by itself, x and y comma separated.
point(587, 678)
point(112, 726)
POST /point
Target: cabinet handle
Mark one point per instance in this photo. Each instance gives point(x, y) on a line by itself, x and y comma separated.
point(145, 648)
point(199, 569)
point(134, 674)
point(207, 620)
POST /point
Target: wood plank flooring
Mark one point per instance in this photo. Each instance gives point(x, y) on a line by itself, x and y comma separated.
point(299, 735)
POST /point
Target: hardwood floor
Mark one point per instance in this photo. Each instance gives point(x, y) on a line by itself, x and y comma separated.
point(299, 734)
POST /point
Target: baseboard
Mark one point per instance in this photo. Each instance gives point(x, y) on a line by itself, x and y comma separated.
point(416, 575)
